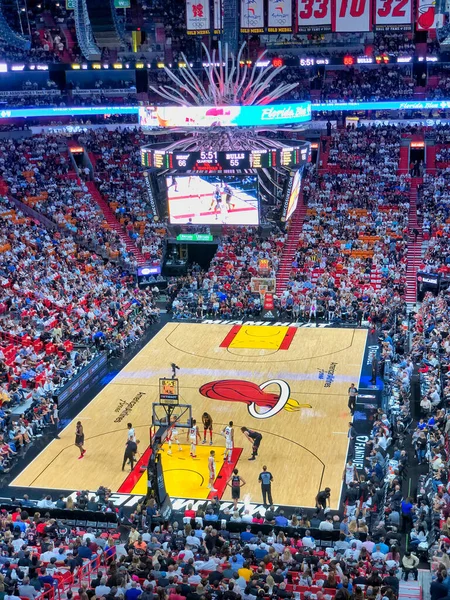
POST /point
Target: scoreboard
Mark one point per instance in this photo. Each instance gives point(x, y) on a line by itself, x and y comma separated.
point(217, 161)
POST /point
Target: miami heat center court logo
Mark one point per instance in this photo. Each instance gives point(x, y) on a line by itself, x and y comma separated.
point(260, 404)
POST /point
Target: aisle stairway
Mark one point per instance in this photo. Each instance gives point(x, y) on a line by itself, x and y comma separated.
point(114, 223)
point(284, 270)
point(323, 156)
point(410, 590)
point(414, 247)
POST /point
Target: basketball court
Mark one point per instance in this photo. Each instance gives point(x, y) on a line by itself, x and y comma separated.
point(193, 198)
point(290, 384)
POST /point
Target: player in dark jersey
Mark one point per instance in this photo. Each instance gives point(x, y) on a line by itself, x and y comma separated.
point(254, 437)
point(207, 425)
point(235, 482)
point(228, 195)
point(174, 184)
point(79, 439)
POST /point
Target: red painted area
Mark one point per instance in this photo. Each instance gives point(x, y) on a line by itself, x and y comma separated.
point(131, 481)
point(225, 473)
point(230, 336)
point(287, 341)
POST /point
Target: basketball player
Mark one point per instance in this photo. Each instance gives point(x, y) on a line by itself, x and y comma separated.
point(172, 435)
point(212, 471)
point(193, 436)
point(131, 437)
point(235, 482)
point(207, 426)
point(173, 184)
point(79, 439)
point(228, 432)
point(228, 195)
point(254, 437)
point(217, 199)
point(350, 473)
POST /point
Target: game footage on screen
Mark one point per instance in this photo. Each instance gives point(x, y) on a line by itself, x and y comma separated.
point(211, 199)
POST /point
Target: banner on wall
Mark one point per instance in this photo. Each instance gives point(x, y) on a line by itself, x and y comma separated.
point(279, 16)
point(252, 16)
point(218, 16)
point(197, 17)
point(393, 14)
point(427, 17)
point(351, 15)
point(314, 15)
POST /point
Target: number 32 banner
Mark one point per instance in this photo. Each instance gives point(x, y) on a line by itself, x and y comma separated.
point(393, 14)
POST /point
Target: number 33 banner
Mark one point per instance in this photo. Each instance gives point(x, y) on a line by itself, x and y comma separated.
point(314, 15)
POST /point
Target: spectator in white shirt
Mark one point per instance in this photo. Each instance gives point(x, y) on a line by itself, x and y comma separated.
point(48, 555)
point(327, 525)
point(308, 540)
point(352, 554)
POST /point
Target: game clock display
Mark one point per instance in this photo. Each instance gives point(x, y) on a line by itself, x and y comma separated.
point(210, 161)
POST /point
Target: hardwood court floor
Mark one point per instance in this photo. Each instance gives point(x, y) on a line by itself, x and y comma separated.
point(305, 449)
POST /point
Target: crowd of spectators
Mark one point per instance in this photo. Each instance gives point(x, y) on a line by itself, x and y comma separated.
point(117, 166)
point(195, 559)
point(40, 174)
point(224, 290)
point(60, 302)
point(380, 83)
point(352, 250)
point(434, 210)
point(430, 351)
point(394, 44)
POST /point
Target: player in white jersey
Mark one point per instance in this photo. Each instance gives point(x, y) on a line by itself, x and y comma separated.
point(228, 433)
point(131, 435)
point(350, 473)
point(172, 436)
point(193, 437)
point(212, 470)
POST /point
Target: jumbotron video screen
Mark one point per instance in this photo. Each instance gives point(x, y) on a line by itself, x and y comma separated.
point(213, 199)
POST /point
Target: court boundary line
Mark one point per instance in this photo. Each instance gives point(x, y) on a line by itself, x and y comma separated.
point(353, 416)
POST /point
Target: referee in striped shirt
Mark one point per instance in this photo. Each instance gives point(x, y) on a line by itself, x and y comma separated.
point(265, 478)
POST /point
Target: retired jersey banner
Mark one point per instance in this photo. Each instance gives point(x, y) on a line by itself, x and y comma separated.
point(352, 15)
point(314, 15)
point(218, 16)
point(197, 17)
point(393, 14)
point(279, 13)
point(252, 16)
point(427, 16)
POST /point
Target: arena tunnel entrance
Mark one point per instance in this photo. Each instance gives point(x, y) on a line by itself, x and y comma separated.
point(416, 158)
